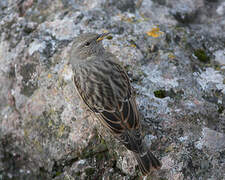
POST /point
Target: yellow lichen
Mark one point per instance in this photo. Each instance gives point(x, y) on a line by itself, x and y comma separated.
point(61, 130)
point(26, 134)
point(105, 31)
point(171, 56)
point(169, 148)
point(49, 76)
point(38, 145)
point(133, 45)
point(154, 32)
point(50, 123)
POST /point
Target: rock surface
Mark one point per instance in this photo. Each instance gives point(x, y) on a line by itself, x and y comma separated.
point(174, 54)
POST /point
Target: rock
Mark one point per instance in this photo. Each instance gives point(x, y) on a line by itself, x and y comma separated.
point(173, 52)
point(211, 76)
point(220, 56)
point(184, 13)
point(221, 9)
point(213, 140)
point(3, 4)
point(126, 5)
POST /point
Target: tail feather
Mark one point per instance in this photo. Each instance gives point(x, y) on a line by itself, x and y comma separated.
point(147, 162)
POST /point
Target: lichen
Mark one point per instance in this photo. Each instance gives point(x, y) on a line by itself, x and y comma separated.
point(155, 32)
point(220, 109)
point(160, 93)
point(201, 55)
point(61, 130)
point(89, 171)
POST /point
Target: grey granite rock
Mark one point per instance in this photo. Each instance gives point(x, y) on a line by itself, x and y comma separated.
point(177, 70)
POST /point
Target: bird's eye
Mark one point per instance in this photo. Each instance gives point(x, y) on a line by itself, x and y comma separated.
point(87, 44)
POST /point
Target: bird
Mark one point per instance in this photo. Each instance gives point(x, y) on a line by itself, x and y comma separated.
point(104, 87)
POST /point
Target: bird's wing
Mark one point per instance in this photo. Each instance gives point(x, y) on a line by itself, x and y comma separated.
point(105, 88)
point(103, 85)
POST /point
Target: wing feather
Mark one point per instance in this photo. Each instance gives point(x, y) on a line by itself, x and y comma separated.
point(105, 88)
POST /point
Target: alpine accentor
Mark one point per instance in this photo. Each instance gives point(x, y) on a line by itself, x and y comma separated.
point(104, 87)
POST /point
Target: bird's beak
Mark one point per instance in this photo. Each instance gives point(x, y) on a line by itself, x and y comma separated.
point(102, 36)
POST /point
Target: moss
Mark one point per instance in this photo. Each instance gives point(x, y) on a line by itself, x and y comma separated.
point(201, 55)
point(59, 166)
point(217, 67)
point(220, 109)
point(78, 173)
point(97, 146)
point(61, 130)
point(100, 148)
point(87, 154)
point(170, 93)
point(58, 173)
point(89, 171)
point(109, 37)
point(160, 93)
point(141, 73)
point(101, 156)
point(126, 67)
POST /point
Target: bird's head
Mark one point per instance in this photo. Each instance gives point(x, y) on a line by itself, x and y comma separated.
point(87, 45)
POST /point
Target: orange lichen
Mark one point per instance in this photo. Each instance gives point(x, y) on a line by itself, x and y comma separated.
point(49, 75)
point(154, 32)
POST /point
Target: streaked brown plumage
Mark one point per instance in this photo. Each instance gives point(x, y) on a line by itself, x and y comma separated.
point(104, 87)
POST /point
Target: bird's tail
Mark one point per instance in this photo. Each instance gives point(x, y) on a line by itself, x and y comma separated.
point(147, 162)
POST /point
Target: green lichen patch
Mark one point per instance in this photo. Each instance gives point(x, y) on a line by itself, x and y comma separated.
point(220, 109)
point(160, 93)
point(109, 37)
point(95, 148)
point(58, 166)
point(89, 171)
point(201, 55)
point(168, 93)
